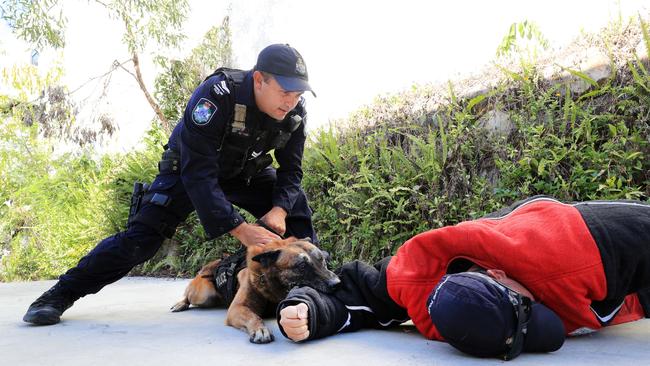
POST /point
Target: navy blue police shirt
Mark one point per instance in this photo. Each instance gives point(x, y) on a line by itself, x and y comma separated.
point(198, 138)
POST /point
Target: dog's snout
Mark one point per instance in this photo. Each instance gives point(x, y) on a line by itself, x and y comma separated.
point(333, 282)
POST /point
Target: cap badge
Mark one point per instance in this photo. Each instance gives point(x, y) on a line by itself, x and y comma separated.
point(300, 66)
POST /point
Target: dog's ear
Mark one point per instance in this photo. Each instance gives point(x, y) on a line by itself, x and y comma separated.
point(267, 258)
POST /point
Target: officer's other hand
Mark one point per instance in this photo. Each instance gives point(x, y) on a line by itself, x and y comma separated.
point(293, 320)
point(250, 235)
point(276, 219)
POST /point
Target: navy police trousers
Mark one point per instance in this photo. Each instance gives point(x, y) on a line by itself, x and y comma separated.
point(116, 255)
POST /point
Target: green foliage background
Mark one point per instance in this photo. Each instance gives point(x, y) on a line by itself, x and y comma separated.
point(396, 170)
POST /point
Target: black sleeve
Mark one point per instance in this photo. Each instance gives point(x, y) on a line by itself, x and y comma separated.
point(621, 230)
point(360, 301)
point(327, 314)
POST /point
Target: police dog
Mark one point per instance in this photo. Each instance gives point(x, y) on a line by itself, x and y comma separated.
point(271, 271)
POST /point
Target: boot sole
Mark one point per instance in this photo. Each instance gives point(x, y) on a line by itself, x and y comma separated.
point(42, 317)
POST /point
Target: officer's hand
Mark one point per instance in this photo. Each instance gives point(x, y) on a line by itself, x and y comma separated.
point(293, 320)
point(275, 219)
point(250, 235)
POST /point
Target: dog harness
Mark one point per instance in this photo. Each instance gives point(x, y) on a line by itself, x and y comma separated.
point(225, 275)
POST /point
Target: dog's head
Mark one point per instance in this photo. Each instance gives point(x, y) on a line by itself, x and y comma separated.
point(279, 266)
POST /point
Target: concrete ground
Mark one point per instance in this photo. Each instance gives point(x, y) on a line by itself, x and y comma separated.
point(129, 323)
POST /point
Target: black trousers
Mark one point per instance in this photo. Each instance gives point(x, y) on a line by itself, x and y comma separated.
point(116, 255)
point(621, 230)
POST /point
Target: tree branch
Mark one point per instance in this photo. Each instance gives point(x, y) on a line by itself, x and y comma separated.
point(138, 77)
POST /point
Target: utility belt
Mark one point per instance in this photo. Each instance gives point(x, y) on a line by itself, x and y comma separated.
point(163, 223)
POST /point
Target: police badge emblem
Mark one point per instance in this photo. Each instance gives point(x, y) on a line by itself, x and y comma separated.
point(203, 112)
point(301, 69)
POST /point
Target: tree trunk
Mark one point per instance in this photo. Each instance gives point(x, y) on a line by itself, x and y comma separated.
point(138, 76)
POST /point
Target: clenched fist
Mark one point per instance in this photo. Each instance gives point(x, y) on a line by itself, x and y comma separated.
point(293, 320)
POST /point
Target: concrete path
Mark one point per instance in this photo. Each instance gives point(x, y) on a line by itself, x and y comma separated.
point(129, 323)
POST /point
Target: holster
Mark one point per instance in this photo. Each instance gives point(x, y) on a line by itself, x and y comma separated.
point(139, 190)
point(162, 221)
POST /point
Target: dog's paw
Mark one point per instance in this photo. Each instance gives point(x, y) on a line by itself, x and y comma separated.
point(180, 306)
point(261, 336)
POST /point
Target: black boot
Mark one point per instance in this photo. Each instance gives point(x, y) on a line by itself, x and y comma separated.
point(49, 307)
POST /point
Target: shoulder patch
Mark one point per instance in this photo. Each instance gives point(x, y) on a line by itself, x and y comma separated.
point(203, 112)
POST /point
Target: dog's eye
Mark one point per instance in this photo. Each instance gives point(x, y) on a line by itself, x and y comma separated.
point(322, 256)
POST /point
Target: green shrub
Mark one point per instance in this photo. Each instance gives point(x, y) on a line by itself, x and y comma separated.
point(58, 208)
point(53, 207)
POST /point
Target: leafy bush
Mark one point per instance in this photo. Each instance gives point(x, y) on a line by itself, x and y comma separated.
point(58, 208)
point(53, 207)
point(372, 189)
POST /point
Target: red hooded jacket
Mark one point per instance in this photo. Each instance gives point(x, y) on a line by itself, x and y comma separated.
point(561, 265)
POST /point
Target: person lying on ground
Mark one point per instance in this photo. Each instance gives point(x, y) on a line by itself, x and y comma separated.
point(519, 279)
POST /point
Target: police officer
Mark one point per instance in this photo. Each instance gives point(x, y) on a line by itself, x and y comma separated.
point(217, 156)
